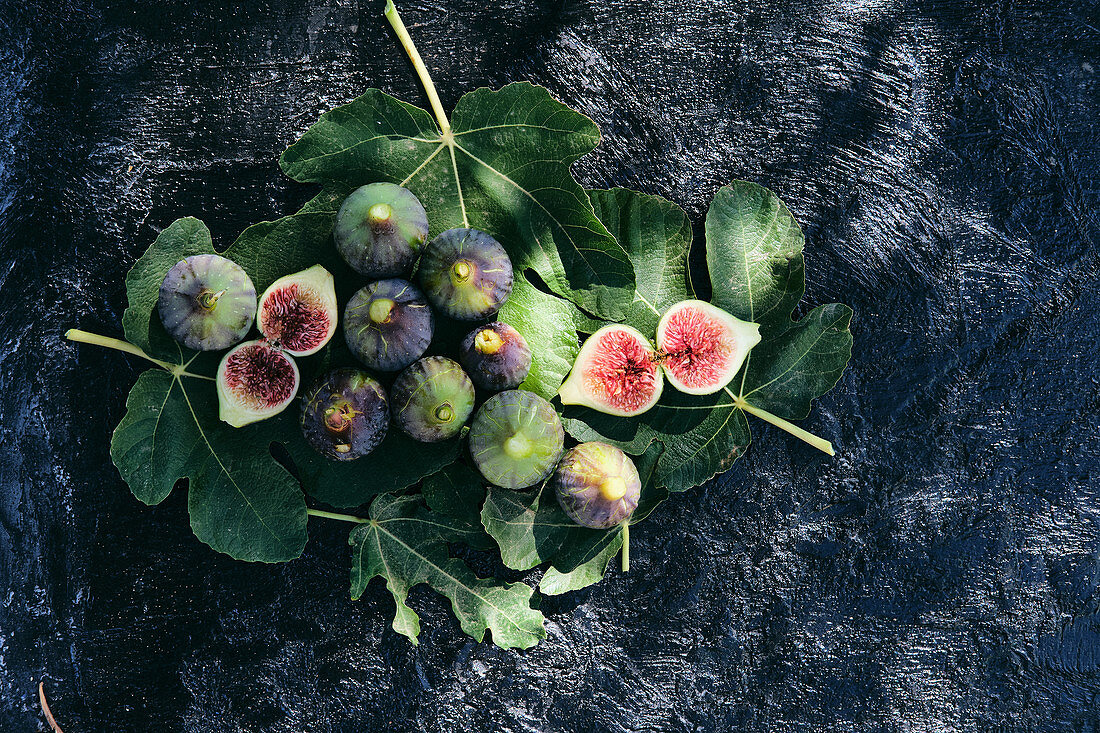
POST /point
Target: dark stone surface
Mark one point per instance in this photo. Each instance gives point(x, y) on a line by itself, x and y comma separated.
point(940, 574)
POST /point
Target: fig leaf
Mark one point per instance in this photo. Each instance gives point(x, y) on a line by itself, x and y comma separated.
point(530, 528)
point(754, 255)
point(406, 544)
point(241, 501)
point(546, 323)
point(501, 166)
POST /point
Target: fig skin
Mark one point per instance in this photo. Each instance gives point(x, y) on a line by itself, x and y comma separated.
point(255, 381)
point(432, 399)
point(496, 356)
point(702, 347)
point(207, 302)
point(466, 274)
point(597, 485)
point(345, 414)
point(298, 312)
point(516, 439)
point(616, 372)
point(388, 324)
point(380, 230)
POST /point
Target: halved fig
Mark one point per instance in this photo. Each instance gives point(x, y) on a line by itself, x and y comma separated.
point(616, 373)
point(298, 312)
point(255, 381)
point(702, 347)
point(207, 302)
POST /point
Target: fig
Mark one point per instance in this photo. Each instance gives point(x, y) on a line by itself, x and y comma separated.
point(597, 485)
point(298, 313)
point(255, 381)
point(516, 439)
point(207, 302)
point(702, 347)
point(466, 274)
point(380, 229)
point(616, 372)
point(496, 356)
point(345, 414)
point(432, 399)
point(388, 324)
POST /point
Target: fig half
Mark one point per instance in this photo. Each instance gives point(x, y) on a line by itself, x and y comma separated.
point(207, 302)
point(516, 439)
point(298, 312)
point(597, 485)
point(616, 372)
point(702, 347)
point(255, 381)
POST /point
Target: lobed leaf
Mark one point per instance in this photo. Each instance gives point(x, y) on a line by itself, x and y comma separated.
point(504, 169)
point(406, 544)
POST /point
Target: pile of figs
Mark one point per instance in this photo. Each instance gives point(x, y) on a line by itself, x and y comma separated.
point(516, 440)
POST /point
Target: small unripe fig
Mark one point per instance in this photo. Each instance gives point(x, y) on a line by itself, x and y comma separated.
point(380, 230)
point(466, 274)
point(388, 324)
point(516, 439)
point(597, 485)
point(432, 399)
point(207, 302)
point(496, 356)
point(255, 381)
point(345, 414)
point(298, 312)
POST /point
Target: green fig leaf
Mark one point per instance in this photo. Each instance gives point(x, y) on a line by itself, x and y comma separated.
point(458, 492)
point(406, 544)
point(546, 323)
point(503, 168)
point(241, 501)
point(754, 254)
point(530, 529)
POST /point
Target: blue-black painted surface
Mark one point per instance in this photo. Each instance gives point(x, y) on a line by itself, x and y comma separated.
point(940, 574)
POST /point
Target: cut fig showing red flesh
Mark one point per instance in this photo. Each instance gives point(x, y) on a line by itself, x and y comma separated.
point(298, 312)
point(255, 381)
point(616, 373)
point(702, 347)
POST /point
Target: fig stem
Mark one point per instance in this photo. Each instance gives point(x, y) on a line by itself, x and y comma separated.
point(84, 337)
point(334, 515)
point(626, 547)
point(418, 64)
point(820, 443)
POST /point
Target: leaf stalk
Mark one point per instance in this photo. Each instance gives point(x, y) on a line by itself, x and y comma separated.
point(820, 443)
point(418, 63)
point(335, 515)
point(626, 547)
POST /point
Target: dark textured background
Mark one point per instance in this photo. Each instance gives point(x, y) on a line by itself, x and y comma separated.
point(941, 573)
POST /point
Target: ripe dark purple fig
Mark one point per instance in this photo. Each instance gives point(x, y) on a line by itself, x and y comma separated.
point(345, 414)
point(255, 381)
point(466, 274)
point(380, 230)
point(597, 485)
point(432, 399)
point(298, 312)
point(496, 356)
point(207, 302)
point(516, 439)
point(388, 324)
point(702, 347)
point(616, 372)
